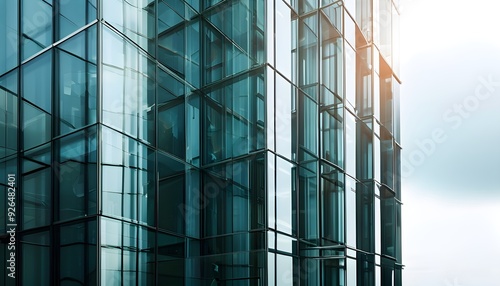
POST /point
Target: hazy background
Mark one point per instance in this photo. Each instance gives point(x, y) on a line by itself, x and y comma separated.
point(451, 140)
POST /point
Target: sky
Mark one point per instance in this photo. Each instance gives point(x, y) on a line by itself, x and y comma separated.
point(450, 121)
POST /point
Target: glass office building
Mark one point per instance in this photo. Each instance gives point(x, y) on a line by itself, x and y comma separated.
point(201, 142)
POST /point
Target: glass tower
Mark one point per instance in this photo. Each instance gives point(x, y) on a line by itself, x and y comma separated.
point(200, 142)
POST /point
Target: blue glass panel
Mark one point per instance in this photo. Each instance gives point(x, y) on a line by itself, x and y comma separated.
point(35, 248)
point(75, 14)
point(36, 26)
point(8, 114)
point(36, 126)
point(37, 81)
point(76, 91)
point(9, 34)
point(76, 171)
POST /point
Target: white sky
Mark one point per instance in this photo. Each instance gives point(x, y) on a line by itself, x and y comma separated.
point(451, 186)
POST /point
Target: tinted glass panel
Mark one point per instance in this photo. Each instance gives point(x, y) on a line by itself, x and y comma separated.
point(36, 26)
point(8, 114)
point(75, 14)
point(76, 171)
point(9, 33)
point(37, 81)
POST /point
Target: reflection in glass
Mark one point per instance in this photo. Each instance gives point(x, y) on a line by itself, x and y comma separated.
point(76, 173)
point(75, 14)
point(36, 26)
point(128, 88)
point(77, 88)
point(8, 114)
point(135, 19)
point(9, 34)
point(128, 170)
point(35, 249)
point(78, 240)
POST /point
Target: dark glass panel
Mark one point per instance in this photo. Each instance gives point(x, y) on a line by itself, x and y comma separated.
point(234, 197)
point(365, 221)
point(76, 173)
point(286, 202)
point(171, 198)
point(171, 264)
point(77, 254)
point(365, 269)
point(171, 127)
point(35, 260)
point(146, 265)
point(333, 272)
point(332, 181)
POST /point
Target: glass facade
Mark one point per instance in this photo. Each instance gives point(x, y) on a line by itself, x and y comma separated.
point(201, 142)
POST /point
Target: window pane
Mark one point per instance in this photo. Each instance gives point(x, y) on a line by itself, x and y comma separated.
point(128, 89)
point(332, 181)
point(171, 197)
point(76, 171)
point(308, 202)
point(77, 92)
point(35, 259)
point(128, 178)
point(284, 270)
point(9, 33)
point(36, 26)
point(36, 199)
point(36, 126)
point(78, 240)
point(171, 261)
point(308, 125)
point(8, 114)
point(75, 14)
point(37, 81)
point(285, 196)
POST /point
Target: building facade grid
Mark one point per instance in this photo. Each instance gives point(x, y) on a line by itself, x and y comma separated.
point(201, 142)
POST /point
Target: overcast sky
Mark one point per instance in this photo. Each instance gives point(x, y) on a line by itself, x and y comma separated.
point(451, 138)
